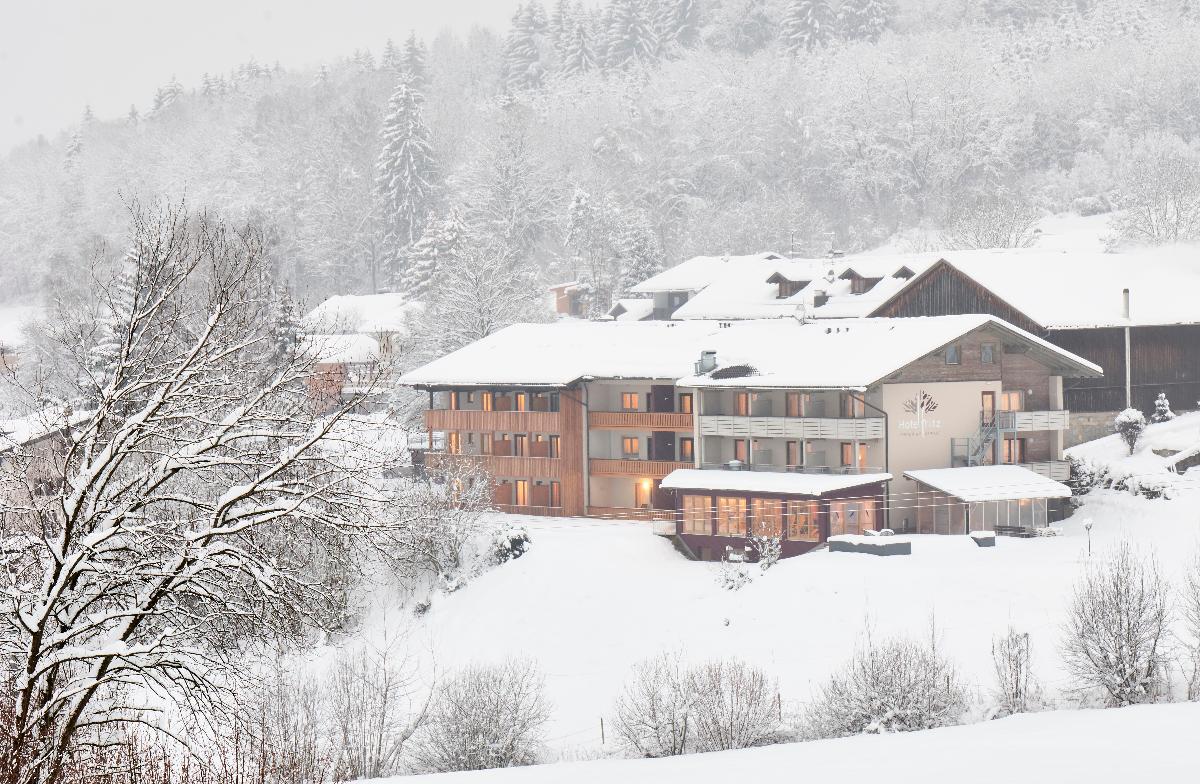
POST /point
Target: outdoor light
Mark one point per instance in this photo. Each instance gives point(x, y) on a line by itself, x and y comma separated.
point(1087, 526)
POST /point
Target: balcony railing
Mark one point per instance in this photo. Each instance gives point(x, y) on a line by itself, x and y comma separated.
point(1058, 470)
point(807, 469)
point(860, 429)
point(488, 421)
point(538, 511)
point(639, 420)
point(629, 513)
point(497, 465)
point(653, 469)
point(1030, 421)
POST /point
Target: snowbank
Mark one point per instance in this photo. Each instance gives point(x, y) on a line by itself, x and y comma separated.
point(1144, 743)
point(1149, 467)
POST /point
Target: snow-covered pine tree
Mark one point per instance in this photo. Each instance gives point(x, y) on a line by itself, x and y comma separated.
point(1162, 409)
point(408, 175)
point(286, 329)
point(390, 59)
point(414, 61)
point(165, 97)
point(864, 20)
point(578, 56)
point(523, 68)
point(113, 323)
point(132, 118)
point(429, 255)
point(561, 27)
point(807, 24)
point(631, 40)
point(639, 252)
point(678, 23)
point(73, 152)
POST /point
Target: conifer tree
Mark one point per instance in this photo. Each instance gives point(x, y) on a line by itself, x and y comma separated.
point(631, 39)
point(442, 239)
point(863, 20)
point(132, 118)
point(807, 24)
point(522, 61)
point(390, 60)
point(579, 57)
point(677, 22)
point(286, 328)
point(561, 27)
point(165, 96)
point(406, 184)
point(414, 62)
point(639, 252)
point(112, 326)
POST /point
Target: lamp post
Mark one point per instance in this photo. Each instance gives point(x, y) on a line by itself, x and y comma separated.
point(1087, 526)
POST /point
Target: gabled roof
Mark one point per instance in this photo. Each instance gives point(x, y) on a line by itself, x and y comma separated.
point(632, 309)
point(849, 354)
point(340, 349)
point(362, 313)
point(990, 483)
point(697, 273)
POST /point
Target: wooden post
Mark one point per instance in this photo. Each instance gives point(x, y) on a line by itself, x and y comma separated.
point(602, 731)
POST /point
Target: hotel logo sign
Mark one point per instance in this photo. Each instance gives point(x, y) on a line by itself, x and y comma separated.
point(921, 406)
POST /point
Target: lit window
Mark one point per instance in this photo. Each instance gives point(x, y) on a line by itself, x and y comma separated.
point(685, 403)
point(739, 450)
point(629, 401)
point(766, 517)
point(485, 401)
point(697, 515)
point(731, 516)
point(802, 525)
point(631, 447)
point(686, 449)
point(742, 400)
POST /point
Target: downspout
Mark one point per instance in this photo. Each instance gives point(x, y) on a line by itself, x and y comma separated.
point(1128, 353)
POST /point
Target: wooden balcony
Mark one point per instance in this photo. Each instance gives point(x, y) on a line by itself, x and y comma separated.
point(639, 420)
point(538, 511)
point(493, 421)
point(843, 429)
point(499, 466)
point(650, 469)
point(628, 513)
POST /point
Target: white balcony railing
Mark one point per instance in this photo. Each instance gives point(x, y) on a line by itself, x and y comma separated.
point(863, 429)
point(1030, 421)
point(1058, 470)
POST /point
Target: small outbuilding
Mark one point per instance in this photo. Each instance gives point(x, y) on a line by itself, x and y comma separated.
point(1002, 498)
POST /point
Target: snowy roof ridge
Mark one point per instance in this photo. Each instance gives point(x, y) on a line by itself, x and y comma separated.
point(990, 483)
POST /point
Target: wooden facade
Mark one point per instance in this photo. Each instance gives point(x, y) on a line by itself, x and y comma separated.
point(1164, 358)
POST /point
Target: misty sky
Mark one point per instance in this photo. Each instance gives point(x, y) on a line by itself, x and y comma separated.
point(58, 55)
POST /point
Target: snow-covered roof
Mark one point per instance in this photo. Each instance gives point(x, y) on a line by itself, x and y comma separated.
point(33, 427)
point(697, 273)
point(853, 353)
point(632, 309)
point(13, 319)
point(337, 349)
point(784, 483)
point(990, 483)
point(366, 313)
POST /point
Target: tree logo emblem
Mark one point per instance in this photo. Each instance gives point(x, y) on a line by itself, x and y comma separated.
point(921, 405)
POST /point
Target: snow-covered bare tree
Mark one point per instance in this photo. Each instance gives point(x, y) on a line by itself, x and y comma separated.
point(654, 714)
point(1158, 191)
point(997, 221)
point(1016, 690)
point(189, 509)
point(1116, 633)
point(736, 705)
point(1189, 613)
point(484, 716)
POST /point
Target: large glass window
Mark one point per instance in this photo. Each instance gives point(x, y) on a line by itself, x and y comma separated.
point(853, 407)
point(522, 401)
point(793, 454)
point(802, 522)
point(1014, 450)
point(731, 516)
point(739, 450)
point(697, 515)
point(766, 517)
point(742, 403)
point(1012, 400)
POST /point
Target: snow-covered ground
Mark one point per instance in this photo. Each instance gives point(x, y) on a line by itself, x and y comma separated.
point(1154, 743)
point(1161, 444)
point(592, 598)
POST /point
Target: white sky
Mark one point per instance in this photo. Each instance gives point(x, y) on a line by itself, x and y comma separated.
point(58, 55)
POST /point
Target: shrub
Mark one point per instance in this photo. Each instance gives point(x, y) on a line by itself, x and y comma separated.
point(768, 550)
point(485, 716)
point(511, 543)
point(1162, 409)
point(1130, 424)
point(654, 712)
point(1115, 634)
point(736, 706)
point(896, 686)
point(1017, 691)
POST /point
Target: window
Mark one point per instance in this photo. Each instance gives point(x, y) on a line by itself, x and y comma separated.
point(486, 401)
point(742, 403)
point(519, 444)
point(766, 517)
point(739, 450)
point(731, 516)
point(555, 446)
point(802, 525)
point(848, 456)
point(1014, 450)
point(631, 447)
point(1012, 400)
point(629, 401)
point(555, 491)
point(522, 400)
point(953, 355)
point(485, 443)
point(454, 402)
point(793, 454)
point(555, 402)
point(454, 443)
point(987, 353)
point(522, 492)
point(685, 402)
point(797, 404)
point(853, 407)
point(470, 397)
point(697, 516)
point(687, 449)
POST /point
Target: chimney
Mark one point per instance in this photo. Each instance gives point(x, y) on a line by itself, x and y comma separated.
point(707, 363)
point(820, 298)
point(1125, 303)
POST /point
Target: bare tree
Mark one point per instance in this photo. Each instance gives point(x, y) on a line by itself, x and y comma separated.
point(896, 686)
point(1017, 691)
point(654, 712)
point(1115, 638)
point(1190, 615)
point(484, 717)
point(1158, 192)
point(1001, 221)
point(190, 505)
point(736, 705)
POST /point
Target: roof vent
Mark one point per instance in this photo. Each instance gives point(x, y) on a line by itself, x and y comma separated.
point(708, 361)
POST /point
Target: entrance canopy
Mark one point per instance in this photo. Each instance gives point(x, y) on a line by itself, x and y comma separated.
point(990, 483)
point(770, 482)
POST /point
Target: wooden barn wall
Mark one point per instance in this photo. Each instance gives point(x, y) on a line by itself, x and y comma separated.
point(945, 291)
point(1165, 359)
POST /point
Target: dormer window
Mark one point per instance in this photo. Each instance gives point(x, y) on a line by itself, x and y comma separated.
point(861, 285)
point(903, 273)
point(787, 286)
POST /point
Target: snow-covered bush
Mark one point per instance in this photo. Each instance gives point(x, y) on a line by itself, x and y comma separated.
point(1115, 637)
point(736, 706)
point(1091, 205)
point(1087, 476)
point(1162, 409)
point(484, 716)
point(1016, 690)
point(895, 686)
point(1129, 425)
point(768, 550)
point(654, 711)
point(511, 543)
point(732, 575)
